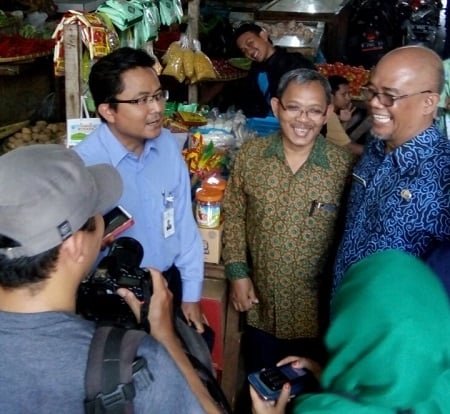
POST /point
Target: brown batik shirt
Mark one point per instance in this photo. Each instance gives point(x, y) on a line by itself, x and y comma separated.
point(286, 223)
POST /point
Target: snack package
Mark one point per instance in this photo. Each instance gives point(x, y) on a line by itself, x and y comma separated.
point(167, 12)
point(173, 58)
point(204, 68)
point(123, 14)
point(151, 19)
point(96, 35)
point(188, 57)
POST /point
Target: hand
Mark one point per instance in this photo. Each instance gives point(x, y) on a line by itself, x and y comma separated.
point(346, 114)
point(260, 406)
point(193, 314)
point(243, 295)
point(298, 362)
point(160, 309)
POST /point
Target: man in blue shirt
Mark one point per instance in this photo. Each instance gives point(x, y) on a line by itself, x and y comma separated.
point(130, 101)
point(400, 197)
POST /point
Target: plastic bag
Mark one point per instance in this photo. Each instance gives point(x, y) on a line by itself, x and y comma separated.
point(174, 62)
point(148, 47)
point(203, 66)
point(167, 12)
point(188, 57)
point(151, 19)
point(123, 14)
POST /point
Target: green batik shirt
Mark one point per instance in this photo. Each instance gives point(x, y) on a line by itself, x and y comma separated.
point(286, 222)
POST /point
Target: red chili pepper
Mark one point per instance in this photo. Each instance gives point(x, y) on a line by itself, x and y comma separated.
point(15, 46)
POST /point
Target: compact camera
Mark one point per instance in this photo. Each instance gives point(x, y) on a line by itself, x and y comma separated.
point(97, 299)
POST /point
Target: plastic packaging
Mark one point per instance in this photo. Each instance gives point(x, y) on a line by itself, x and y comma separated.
point(208, 207)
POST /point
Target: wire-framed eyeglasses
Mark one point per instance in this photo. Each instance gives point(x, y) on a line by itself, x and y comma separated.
point(314, 114)
point(387, 99)
point(160, 96)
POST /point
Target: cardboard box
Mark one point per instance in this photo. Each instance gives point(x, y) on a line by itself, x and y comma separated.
point(214, 301)
point(212, 244)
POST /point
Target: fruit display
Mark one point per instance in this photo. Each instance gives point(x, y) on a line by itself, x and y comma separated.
point(357, 75)
point(41, 132)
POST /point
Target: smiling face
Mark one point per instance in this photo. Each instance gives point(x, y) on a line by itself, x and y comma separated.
point(133, 123)
point(405, 71)
point(254, 46)
point(299, 130)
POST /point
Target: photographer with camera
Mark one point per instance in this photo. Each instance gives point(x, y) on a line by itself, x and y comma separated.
point(51, 230)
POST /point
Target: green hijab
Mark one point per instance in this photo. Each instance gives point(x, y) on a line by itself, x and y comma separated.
point(389, 341)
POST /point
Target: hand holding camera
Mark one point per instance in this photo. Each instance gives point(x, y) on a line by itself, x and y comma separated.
point(160, 314)
point(97, 298)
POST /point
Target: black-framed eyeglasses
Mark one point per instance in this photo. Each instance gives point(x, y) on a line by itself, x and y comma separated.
point(386, 99)
point(160, 96)
point(314, 114)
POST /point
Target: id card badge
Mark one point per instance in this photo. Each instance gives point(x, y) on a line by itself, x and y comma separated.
point(168, 215)
point(168, 222)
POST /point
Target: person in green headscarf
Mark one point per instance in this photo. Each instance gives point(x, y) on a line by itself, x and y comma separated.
point(388, 341)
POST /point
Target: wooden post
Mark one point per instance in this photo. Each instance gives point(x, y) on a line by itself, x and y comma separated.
point(193, 17)
point(72, 69)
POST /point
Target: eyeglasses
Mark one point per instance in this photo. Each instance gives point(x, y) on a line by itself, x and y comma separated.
point(385, 98)
point(160, 96)
point(314, 114)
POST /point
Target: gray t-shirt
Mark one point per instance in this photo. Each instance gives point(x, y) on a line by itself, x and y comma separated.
point(43, 360)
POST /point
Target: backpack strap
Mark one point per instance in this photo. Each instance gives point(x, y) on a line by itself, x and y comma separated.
point(110, 368)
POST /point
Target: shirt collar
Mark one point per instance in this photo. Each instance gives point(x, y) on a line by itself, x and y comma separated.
point(409, 154)
point(118, 151)
point(318, 154)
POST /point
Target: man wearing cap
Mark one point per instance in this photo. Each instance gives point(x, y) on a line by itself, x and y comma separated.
point(269, 64)
point(130, 101)
point(51, 231)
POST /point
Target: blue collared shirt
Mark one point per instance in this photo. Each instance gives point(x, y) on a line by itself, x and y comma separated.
point(154, 182)
point(399, 200)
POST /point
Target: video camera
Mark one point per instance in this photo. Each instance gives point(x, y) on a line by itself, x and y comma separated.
point(97, 299)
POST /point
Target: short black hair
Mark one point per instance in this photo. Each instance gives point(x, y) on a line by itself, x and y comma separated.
point(105, 78)
point(244, 28)
point(336, 81)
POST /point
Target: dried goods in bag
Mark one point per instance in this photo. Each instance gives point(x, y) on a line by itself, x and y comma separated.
point(188, 57)
point(204, 68)
point(173, 58)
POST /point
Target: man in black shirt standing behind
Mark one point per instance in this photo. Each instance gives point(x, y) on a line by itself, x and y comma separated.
point(269, 63)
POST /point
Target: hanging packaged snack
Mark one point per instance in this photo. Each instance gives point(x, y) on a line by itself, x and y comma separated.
point(173, 59)
point(188, 57)
point(122, 14)
point(151, 19)
point(204, 69)
point(95, 35)
point(169, 10)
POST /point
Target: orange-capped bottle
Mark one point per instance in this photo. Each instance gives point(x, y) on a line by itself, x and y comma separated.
point(208, 206)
